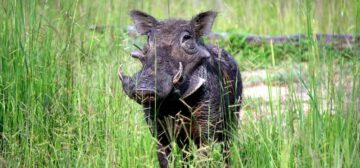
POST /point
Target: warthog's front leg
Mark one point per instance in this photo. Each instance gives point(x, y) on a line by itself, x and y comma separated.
point(163, 153)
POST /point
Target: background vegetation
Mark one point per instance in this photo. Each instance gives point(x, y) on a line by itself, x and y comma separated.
point(61, 103)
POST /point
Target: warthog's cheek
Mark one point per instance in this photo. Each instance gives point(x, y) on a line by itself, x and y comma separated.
point(203, 52)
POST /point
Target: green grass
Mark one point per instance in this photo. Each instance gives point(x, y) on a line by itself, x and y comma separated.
point(61, 103)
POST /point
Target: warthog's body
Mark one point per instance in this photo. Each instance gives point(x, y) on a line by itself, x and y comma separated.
point(189, 91)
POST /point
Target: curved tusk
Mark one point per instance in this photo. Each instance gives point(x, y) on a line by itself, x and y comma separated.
point(178, 75)
point(120, 73)
point(195, 86)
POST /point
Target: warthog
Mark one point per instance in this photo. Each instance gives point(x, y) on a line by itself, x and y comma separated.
point(190, 91)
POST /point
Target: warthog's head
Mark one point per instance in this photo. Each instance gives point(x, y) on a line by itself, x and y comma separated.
point(170, 57)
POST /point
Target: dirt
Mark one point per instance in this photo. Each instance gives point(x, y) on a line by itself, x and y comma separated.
point(288, 89)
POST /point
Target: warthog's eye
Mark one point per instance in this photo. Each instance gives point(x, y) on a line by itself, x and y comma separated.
point(187, 42)
point(185, 38)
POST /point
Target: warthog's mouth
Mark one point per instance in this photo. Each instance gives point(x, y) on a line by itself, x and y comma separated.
point(145, 95)
point(146, 99)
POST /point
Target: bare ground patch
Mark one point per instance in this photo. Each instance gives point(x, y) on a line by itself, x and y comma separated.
point(287, 88)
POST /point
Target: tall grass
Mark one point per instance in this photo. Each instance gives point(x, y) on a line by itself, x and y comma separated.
point(62, 105)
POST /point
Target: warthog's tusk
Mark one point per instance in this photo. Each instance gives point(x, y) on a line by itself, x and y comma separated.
point(120, 73)
point(178, 74)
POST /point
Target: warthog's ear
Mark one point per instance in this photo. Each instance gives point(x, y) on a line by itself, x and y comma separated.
point(202, 23)
point(143, 21)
